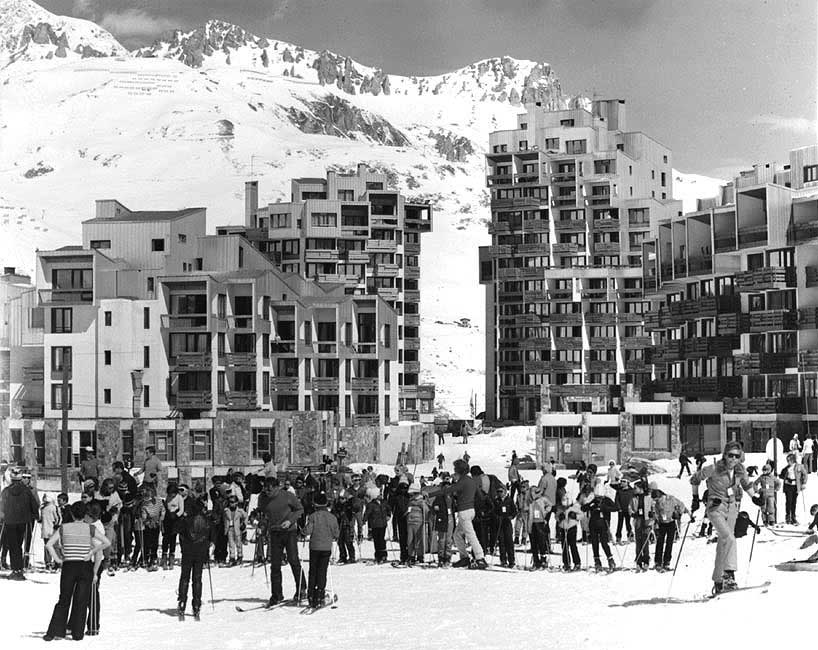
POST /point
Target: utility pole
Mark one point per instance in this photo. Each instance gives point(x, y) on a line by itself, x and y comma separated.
point(65, 441)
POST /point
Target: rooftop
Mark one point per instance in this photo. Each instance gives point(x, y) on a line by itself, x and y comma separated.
point(146, 215)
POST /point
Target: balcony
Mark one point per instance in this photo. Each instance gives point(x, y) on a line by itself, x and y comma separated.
point(283, 347)
point(411, 344)
point(732, 324)
point(519, 390)
point(606, 248)
point(801, 232)
point(387, 270)
point(563, 178)
point(706, 387)
point(411, 272)
point(364, 384)
point(665, 352)
point(707, 307)
point(186, 322)
point(284, 384)
point(606, 224)
point(771, 405)
point(535, 296)
point(366, 420)
point(637, 365)
point(527, 177)
point(808, 361)
point(532, 249)
point(527, 319)
point(388, 293)
point(240, 323)
point(358, 257)
point(365, 348)
point(381, 246)
point(636, 342)
point(412, 320)
point(339, 278)
point(657, 319)
point(321, 255)
point(570, 225)
point(699, 265)
point(238, 360)
point(602, 342)
point(773, 319)
point(709, 346)
point(325, 384)
point(31, 409)
point(66, 296)
point(411, 366)
point(570, 318)
point(244, 400)
point(565, 247)
point(568, 342)
point(326, 347)
point(629, 317)
point(409, 414)
point(411, 295)
point(755, 363)
point(752, 236)
point(192, 399)
point(725, 244)
point(596, 365)
point(191, 361)
point(499, 179)
point(565, 199)
point(560, 365)
point(534, 343)
point(765, 278)
point(604, 318)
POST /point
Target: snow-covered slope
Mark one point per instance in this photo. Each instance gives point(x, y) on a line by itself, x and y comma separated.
point(188, 120)
point(689, 187)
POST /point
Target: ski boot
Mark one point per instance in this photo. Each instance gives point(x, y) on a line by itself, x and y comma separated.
point(196, 615)
point(729, 580)
point(479, 564)
point(597, 565)
point(461, 563)
point(718, 587)
point(163, 562)
point(611, 564)
point(180, 611)
point(170, 563)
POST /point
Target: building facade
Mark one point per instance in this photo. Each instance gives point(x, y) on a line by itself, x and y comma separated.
point(573, 196)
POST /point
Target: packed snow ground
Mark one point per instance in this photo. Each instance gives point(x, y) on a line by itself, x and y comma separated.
point(382, 607)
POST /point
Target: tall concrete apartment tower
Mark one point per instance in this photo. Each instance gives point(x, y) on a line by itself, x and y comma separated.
point(573, 195)
point(353, 231)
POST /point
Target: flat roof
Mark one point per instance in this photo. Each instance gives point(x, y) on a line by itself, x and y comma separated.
point(146, 215)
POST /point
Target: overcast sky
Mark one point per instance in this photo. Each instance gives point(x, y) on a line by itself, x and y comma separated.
point(724, 83)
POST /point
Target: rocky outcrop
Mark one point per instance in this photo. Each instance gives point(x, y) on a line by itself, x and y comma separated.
point(452, 147)
point(333, 115)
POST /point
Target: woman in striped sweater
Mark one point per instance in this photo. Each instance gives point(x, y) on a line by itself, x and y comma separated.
point(80, 544)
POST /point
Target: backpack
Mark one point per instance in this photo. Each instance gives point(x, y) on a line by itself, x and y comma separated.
point(198, 529)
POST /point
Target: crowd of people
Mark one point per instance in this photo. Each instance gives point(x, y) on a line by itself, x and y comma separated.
point(120, 525)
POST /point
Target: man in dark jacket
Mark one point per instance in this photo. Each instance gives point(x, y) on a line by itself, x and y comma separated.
point(194, 538)
point(18, 507)
point(624, 496)
point(127, 490)
point(282, 511)
point(399, 505)
point(444, 522)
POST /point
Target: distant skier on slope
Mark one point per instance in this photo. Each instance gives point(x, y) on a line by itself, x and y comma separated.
point(725, 480)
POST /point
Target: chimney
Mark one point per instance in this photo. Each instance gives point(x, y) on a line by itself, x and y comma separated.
point(9, 270)
point(362, 169)
point(250, 203)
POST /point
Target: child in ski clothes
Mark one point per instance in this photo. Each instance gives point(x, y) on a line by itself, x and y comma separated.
point(345, 514)
point(235, 523)
point(596, 508)
point(641, 511)
point(150, 521)
point(560, 498)
point(194, 539)
point(415, 519)
point(767, 485)
point(322, 528)
point(174, 506)
point(667, 511)
point(377, 516)
point(567, 523)
point(537, 512)
point(50, 521)
point(521, 503)
point(506, 512)
point(442, 508)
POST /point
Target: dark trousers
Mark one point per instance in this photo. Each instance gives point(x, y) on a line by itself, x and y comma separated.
point(513, 489)
point(403, 538)
point(441, 440)
point(506, 541)
point(790, 499)
point(124, 535)
point(281, 541)
point(75, 590)
point(641, 535)
point(599, 537)
point(219, 538)
point(13, 539)
point(93, 605)
point(138, 556)
point(569, 545)
point(624, 518)
point(346, 544)
point(378, 535)
point(684, 466)
point(169, 536)
point(27, 535)
point(665, 535)
point(191, 568)
point(538, 537)
point(151, 536)
point(319, 562)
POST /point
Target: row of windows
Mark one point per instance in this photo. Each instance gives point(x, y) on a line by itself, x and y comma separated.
point(62, 318)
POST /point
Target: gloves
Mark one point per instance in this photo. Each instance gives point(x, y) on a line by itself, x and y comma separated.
point(696, 503)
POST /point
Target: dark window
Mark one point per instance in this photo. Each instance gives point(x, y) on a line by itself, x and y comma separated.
point(106, 395)
point(241, 257)
point(151, 284)
point(61, 320)
point(575, 146)
point(146, 356)
point(17, 454)
point(201, 444)
point(810, 173)
point(165, 444)
point(157, 245)
point(146, 396)
point(107, 356)
point(100, 243)
point(39, 447)
point(127, 443)
point(56, 396)
point(146, 317)
point(263, 442)
point(108, 318)
point(57, 353)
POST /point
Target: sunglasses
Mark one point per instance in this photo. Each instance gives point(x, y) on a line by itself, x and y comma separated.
point(733, 455)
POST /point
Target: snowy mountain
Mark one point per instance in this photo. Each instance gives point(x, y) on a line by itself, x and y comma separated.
point(189, 119)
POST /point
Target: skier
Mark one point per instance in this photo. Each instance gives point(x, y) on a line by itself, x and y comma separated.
point(345, 515)
point(50, 521)
point(92, 517)
point(506, 512)
point(151, 468)
point(174, 504)
point(443, 522)
point(440, 460)
point(127, 490)
point(416, 513)
point(282, 511)
point(725, 480)
point(598, 530)
point(624, 494)
point(684, 464)
point(767, 485)
point(614, 475)
point(513, 477)
point(89, 467)
point(377, 516)
point(194, 540)
point(322, 529)
point(806, 459)
point(667, 511)
point(537, 511)
point(235, 523)
point(18, 507)
point(521, 505)
point(641, 511)
point(567, 522)
point(795, 480)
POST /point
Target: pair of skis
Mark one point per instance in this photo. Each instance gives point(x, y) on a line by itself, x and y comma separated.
point(763, 587)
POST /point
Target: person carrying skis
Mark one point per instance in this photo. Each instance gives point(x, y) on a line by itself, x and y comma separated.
point(767, 485)
point(667, 511)
point(725, 480)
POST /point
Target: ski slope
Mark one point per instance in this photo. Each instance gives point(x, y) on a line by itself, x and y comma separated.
point(382, 607)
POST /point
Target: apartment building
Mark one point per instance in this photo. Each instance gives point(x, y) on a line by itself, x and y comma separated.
point(573, 196)
point(200, 346)
point(353, 232)
point(734, 318)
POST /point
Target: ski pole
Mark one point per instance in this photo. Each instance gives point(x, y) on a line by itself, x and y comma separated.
point(753, 543)
point(678, 557)
point(210, 580)
point(331, 584)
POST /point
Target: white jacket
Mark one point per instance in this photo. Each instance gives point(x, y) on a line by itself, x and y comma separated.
point(808, 446)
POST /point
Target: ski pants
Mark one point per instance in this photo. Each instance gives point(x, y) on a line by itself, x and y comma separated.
point(641, 530)
point(169, 536)
point(539, 550)
point(75, 591)
point(682, 468)
point(317, 585)
point(723, 517)
point(599, 537)
point(125, 530)
point(281, 540)
point(444, 541)
point(520, 529)
point(665, 536)
point(378, 535)
point(402, 538)
point(768, 513)
point(234, 545)
point(13, 539)
point(624, 518)
point(219, 543)
point(346, 543)
point(191, 568)
point(151, 536)
point(414, 541)
point(570, 552)
point(806, 461)
point(464, 532)
point(505, 540)
point(790, 500)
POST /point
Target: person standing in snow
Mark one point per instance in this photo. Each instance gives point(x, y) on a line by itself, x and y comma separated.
point(667, 511)
point(282, 511)
point(513, 476)
point(684, 464)
point(506, 512)
point(806, 459)
point(795, 481)
point(641, 511)
point(322, 529)
point(725, 480)
point(18, 507)
point(767, 485)
point(440, 460)
point(521, 504)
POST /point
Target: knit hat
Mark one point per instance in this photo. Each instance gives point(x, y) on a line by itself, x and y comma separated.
point(320, 500)
point(16, 474)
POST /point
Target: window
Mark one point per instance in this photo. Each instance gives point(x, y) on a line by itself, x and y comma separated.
point(263, 441)
point(523, 125)
point(567, 122)
point(664, 179)
point(651, 432)
point(575, 146)
point(281, 220)
point(61, 320)
point(346, 195)
point(127, 443)
point(810, 173)
point(56, 397)
point(165, 444)
point(323, 219)
point(146, 356)
point(146, 317)
point(638, 215)
point(57, 353)
point(106, 395)
point(523, 145)
point(201, 444)
point(107, 356)
point(157, 245)
point(241, 257)
point(17, 446)
point(552, 144)
point(108, 318)
point(372, 185)
point(146, 396)
point(39, 447)
point(151, 285)
point(100, 243)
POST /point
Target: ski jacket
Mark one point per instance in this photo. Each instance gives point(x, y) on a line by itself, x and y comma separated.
point(416, 511)
point(623, 498)
point(195, 543)
point(767, 485)
point(720, 485)
point(513, 474)
point(377, 514)
point(128, 493)
point(641, 507)
point(538, 510)
point(795, 475)
point(153, 468)
point(463, 492)
point(548, 485)
point(442, 509)
point(667, 508)
point(568, 517)
point(50, 519)
point(152, 513)
point(235, 519)
point(522, 502)
point(506, 508)
point(322, 529)
point(18, 505)
point(808, 446)
point(280, 507)
point(596, 509)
